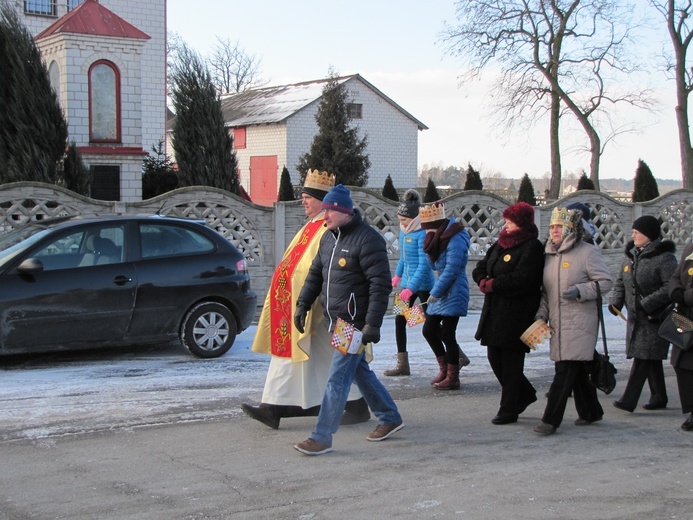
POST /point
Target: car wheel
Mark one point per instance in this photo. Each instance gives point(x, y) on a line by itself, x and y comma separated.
point(209, 329)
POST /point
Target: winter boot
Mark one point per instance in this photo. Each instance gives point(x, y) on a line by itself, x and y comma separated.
point(443, 366)
point(464, 360)
point(402, 368)
point(452, 380)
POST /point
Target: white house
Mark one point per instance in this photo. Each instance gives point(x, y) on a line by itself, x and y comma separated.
point(273, 126)
point(107, 63)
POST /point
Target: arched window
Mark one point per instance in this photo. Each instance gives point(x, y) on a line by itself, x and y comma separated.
point(54, 77)
point(104, 102)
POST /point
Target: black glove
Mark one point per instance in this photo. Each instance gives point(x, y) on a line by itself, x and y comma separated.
point(614, 310)
point(370, 334)
point(300, 317)
point(677, 296)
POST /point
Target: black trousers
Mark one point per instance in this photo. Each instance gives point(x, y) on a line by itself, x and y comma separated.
point(650, 370)
point(571, 375)
point(517, 392)
point(440, 332)
point(401, 321)
point(684, 379)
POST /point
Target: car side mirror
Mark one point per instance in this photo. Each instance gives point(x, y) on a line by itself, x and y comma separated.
point(30, 265)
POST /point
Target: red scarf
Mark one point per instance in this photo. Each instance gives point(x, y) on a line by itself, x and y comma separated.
point(511, 239)
point(435, 243)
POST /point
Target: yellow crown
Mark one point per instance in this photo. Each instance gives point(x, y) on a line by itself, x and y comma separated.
point(319, 181)
point(432, 212)
point(562, 217)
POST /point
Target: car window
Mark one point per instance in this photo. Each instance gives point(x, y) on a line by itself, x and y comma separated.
point(157, 240)
point(84, 248)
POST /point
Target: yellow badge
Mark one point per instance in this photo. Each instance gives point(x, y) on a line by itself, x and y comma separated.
point(408, 239)
point(507, 258)
point(565, 265)
point(690, 272)
point(342, 262)
point(626, 268)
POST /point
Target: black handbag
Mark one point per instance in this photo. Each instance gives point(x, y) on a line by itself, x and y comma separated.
point(602, 372)
point(677, 330)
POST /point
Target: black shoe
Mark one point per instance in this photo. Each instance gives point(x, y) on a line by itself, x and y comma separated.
point(264, 414)
point(504, 419)
point(654, 406)
point(622, 406)
point(687, 426)
point(356, 412)
point(529, 401)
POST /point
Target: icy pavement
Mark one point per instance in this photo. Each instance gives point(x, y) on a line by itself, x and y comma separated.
point(84, 392)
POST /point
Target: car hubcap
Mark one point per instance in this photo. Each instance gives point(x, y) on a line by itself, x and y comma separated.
point(211, 331)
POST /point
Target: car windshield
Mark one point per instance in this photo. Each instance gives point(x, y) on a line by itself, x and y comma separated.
point(19, 240)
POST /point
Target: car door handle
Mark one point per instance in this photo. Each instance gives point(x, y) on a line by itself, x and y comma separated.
point(122, 280)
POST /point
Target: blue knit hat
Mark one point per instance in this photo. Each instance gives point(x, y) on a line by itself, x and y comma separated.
point(338, 199)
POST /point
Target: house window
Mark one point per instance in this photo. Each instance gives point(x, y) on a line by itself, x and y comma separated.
point(48, 7)
point(104, 102)
point(354, 110)
point(105, 182)
point(54, 77)
point(71, 4)
point(239, 138)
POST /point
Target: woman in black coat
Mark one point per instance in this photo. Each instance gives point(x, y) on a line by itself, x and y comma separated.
point(510, 276)
point(681, 293)
point(642, 287)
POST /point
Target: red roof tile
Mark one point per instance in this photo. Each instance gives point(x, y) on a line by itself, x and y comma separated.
point(90, 17)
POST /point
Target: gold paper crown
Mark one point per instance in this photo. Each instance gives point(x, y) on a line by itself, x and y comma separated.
point(562, 217)
point(319, 181)
point(432, 212)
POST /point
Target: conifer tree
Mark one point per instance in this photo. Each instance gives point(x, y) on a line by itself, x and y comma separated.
point(286, 189)
point(158, 174)
point(431, 194)
point(644, 185)
point(33, 131)
point(473, 180)
point(202, 145)
point(389, 191)
point(526, 193)
point(336, 147)
point(585, 183)
point(75, 174)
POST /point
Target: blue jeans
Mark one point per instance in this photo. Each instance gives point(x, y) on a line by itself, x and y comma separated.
point(344, 370)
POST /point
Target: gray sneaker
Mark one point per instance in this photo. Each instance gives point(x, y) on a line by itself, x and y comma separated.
point(383, 431)
point(545, 428)
point(312, 447)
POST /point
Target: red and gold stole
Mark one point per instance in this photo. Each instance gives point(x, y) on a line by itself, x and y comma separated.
point(281, 313)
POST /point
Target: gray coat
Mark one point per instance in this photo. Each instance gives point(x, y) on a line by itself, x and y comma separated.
point(641, 286)
point(575, 322)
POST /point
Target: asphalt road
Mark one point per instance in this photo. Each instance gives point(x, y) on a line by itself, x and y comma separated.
point(448, 462)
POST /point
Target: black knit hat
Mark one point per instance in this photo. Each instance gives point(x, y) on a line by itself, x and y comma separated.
point(410, 205)
point(648, 226)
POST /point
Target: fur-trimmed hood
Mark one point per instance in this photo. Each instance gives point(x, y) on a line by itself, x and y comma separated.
point(654, 248)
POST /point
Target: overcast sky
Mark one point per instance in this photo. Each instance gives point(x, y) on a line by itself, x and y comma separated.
point(394, 44)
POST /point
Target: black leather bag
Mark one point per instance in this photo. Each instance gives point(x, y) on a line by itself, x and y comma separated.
point(677, 330)
point(602, 372)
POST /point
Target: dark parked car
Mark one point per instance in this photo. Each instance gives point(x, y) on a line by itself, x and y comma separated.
point(81, 282)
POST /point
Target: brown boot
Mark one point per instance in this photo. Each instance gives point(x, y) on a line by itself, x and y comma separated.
point(452, 380)
point(443, 366)
point(402, 368)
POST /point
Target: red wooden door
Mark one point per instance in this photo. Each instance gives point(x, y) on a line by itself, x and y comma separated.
point(263, 180)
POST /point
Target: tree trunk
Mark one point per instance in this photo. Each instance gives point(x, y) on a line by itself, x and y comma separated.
point(555, 185)
point(681, 111)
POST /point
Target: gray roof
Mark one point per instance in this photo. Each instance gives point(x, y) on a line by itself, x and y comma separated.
point(276, 104)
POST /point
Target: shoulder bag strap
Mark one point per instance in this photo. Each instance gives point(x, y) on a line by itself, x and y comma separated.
point(600, 312)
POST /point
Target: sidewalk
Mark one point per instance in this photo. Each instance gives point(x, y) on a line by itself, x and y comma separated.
point(448, 462)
